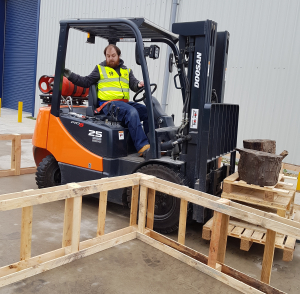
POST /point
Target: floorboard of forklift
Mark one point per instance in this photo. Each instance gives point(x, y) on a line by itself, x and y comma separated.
point(133, 267)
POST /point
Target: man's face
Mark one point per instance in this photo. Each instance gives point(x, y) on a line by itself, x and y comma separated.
point(112, 58)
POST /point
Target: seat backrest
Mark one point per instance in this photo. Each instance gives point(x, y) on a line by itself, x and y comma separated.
point(93, 100)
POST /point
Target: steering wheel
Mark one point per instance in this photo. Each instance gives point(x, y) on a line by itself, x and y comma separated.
point(144, 96)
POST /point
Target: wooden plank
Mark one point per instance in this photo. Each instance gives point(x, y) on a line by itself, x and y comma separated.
point(254, 216)
point(26, 233)
point(17, 151)
point(42, 267)
point(182, 221)
point(237, 231)
point(150, 208)
point(242, 287)
point(218, 240)
point(27, 170)
point(142, 208)
point(68, 218)
point(292, 167)
point(102, 213)
point(268, 257)
point(134, 204)
point(13, 154)
point(257, 236)
point(225, 269)
point(6, 137)
point(279, 240)
point(26, 136)
point(7, 173)
point(76, 221)
point(45, 196)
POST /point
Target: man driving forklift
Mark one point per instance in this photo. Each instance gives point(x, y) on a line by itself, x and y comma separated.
point(113, 81)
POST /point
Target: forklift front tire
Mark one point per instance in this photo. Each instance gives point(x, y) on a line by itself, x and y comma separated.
point(48, 173)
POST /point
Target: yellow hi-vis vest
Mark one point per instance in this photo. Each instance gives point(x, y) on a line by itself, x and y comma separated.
point(111, 86)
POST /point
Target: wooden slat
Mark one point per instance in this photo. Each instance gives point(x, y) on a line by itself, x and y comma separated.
point(53, 263)
point(225, 269)
point(218, 239)
point(268, 257)
point(68, 218)
point(6, 137)
point(17, 150)
point(76, 221)
point(7, 173)
point(237, 231)
point(242, 287)
point(150, 208)
point(26, 136)
point(102, 213)
point(292, 167)
point(254, 216)
point(26, 233)
point(182, 221)
point(27, 170)
point(44, 195)
point(257, 236)
point(134, 204)
point(142, 208)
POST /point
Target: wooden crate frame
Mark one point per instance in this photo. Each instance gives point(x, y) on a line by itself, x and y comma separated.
point(143, 197)
point(16, 169)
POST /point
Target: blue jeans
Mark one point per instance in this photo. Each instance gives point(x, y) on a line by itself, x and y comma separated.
point(130, 115)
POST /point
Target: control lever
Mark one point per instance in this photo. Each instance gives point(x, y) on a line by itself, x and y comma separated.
point(112, 113)
point(117, 113)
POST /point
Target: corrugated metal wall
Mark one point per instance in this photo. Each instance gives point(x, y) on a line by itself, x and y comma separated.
point(21, 38)
point(263, 64)
point(81, 57)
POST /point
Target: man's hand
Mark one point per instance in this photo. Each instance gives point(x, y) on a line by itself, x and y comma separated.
point(67, 73)
point(141, 84)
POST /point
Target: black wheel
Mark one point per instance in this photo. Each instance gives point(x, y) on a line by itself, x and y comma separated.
point(167, 208)
point(48, 173)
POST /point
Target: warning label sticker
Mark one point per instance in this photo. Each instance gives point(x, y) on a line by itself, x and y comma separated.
point(121, 135)
point(194, 118)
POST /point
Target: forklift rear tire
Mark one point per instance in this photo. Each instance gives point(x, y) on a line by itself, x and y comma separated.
point(48, 173)
point(167, 208)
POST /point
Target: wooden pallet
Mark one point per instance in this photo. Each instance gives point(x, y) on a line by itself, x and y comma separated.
point(279, 197)
point(249, 233)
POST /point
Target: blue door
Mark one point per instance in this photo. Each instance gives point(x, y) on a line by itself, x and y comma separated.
point(20, 53)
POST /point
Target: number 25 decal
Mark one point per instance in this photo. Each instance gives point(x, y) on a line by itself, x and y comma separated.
point(97, 134)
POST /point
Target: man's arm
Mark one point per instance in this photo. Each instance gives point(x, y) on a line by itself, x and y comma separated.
point(133, 82)
point(87, 81)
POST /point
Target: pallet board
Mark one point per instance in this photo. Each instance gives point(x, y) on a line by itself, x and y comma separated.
point(280, 197)
point(249, 233)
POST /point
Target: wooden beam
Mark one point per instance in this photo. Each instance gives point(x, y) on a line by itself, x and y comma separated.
point(7, 173)
point(218, 240)
point(102, 213)
point(292, 167)
point(26, 136)
point(26, 233)
point(53, 263)
point(142, 208)
point(134, 204)
point(182, 221)
point(6, 137)
point(47, 195)
point(150, 208)
point(242, 287)
point(254, 216)
point(17, 154)
point(268, 257)
point(68, 218)
point(225, 269)
point(76, 221)
point(27, 170)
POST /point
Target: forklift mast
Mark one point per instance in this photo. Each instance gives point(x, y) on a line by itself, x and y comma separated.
point(212, 126)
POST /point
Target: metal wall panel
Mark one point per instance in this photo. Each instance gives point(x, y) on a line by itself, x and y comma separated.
point(20, 51)
point(81, 57)
point(263, 66)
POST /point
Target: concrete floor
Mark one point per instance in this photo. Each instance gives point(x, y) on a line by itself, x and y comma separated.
point(133, 267)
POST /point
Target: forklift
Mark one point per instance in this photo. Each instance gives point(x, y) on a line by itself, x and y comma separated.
point(71, 143)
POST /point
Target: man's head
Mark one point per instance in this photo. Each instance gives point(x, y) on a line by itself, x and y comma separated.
point(112, 54)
